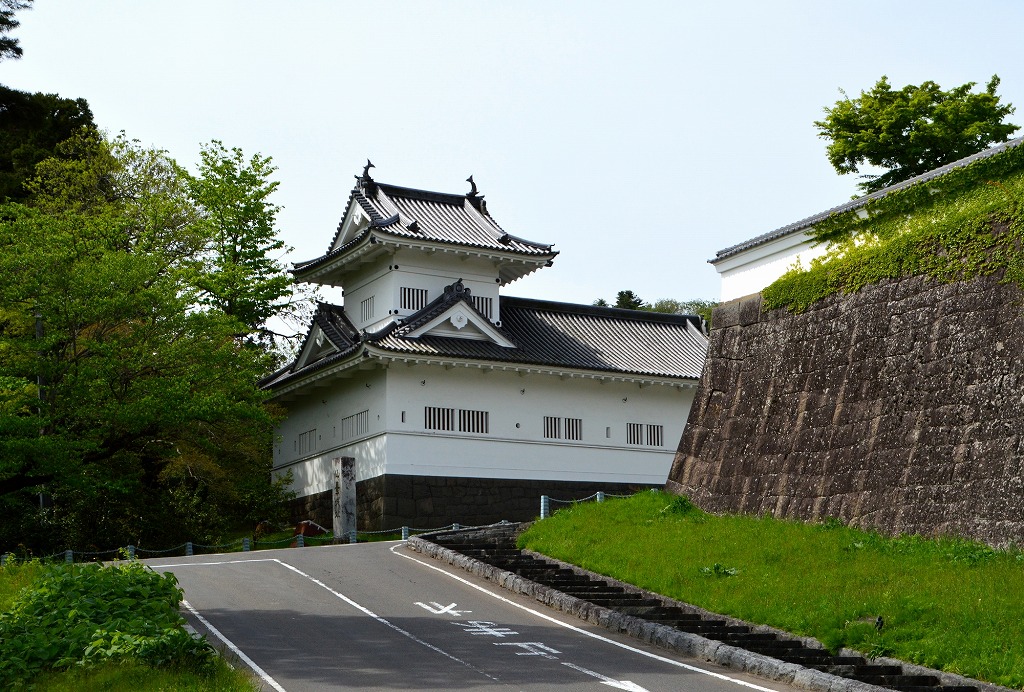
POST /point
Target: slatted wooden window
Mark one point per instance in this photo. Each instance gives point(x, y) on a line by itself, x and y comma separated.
point(413, 298)
point(552, 427)
point(556, 428)
point(655, 435)
point(355, 425)
point(485, 305)
point(307, 441)
point(646, 434)
point(473, 421)
point(634, 433)
point(366, 309)
point(437, 418)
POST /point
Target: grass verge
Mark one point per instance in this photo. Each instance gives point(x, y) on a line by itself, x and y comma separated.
point(948, 604)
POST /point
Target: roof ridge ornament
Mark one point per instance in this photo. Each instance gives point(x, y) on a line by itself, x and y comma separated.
point(475, 198)
point(365, 181)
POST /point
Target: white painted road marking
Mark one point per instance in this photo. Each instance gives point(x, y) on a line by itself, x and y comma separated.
point(488, 628)
point(532, 649)
point(344, 598)
point(580, 630)
point(382, 621)
point(438, 609)
point(234, 649)
point(605, 680)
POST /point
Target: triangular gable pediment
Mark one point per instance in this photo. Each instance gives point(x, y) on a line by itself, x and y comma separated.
point(356, 220)
point(462, 321)
point(316, 347)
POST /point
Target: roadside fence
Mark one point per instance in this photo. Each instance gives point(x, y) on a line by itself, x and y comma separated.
point(599, 496)
point(246, 544)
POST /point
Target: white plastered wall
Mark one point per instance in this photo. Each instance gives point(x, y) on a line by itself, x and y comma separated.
point(514, 446)
point(750, 271)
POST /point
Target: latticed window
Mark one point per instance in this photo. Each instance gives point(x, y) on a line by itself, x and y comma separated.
point(556, 428)
point(646, 434)
point(366, 309)
point(552, 427)
point(655, 435)
point(473, 421)
point(634, 433)
point(412, 298)
point(355, 425)
point(307, 441)
point(437, 418)
point(485, 305)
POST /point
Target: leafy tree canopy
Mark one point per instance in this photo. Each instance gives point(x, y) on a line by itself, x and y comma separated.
point(9, 47)
point(125, 393)
point(628, 300)
point(912, 130)
point(31, 127)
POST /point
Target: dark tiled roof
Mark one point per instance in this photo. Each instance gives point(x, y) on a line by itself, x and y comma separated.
point(421, 215)
point(555, 335)
point(804, 224)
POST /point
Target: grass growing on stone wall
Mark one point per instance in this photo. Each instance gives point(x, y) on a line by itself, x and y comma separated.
point(947, 604)
point(966, 224)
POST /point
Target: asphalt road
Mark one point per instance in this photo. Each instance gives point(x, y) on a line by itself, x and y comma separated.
point(376, 616)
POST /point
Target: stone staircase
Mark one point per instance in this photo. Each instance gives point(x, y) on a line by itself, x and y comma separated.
point(497, 548)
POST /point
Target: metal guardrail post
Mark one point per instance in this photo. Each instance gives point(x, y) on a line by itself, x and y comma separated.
point(352, 538)
point(131, 552)
point(69, 557)
point(405, 533)
point(456, 526)
point(3, 560)
point(188, 548)
point(300, 541)
point(545, 506)
point(245, 544)
point(600, 496)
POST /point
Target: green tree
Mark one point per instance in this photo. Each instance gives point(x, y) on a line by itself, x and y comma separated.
point(627, 300)
point(912, 130)
point(124, 394)
point(31, 127)
point(242, 278)
point(699, 307)
point(9, 47)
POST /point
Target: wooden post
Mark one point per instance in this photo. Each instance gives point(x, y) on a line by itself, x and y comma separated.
point(344, 497)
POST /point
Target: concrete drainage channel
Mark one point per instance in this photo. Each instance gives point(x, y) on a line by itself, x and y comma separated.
point(490, 552)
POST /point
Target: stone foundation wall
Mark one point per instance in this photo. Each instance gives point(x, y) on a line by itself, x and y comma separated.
point(426, 502)
point(898, 408)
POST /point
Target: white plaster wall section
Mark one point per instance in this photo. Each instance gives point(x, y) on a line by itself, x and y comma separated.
point(315, 475)
point(491, 458)
point(477, 274)
point(515, 444)
point(324, 409)
point(750, 271)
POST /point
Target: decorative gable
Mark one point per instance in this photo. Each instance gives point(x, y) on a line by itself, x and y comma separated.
point(453, 315)
point(462, 321)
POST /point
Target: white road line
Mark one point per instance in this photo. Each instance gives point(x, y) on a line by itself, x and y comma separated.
point(234, 649)
point(580, 630)
point(382, 621)
point(605, 680)
point(221, 562)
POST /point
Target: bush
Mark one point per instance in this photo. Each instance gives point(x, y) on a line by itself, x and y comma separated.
point(81, 615)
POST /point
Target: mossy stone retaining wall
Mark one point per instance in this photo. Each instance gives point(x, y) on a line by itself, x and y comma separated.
point(899, 408)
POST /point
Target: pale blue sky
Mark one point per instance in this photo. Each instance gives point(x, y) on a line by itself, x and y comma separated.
point(637, 137)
